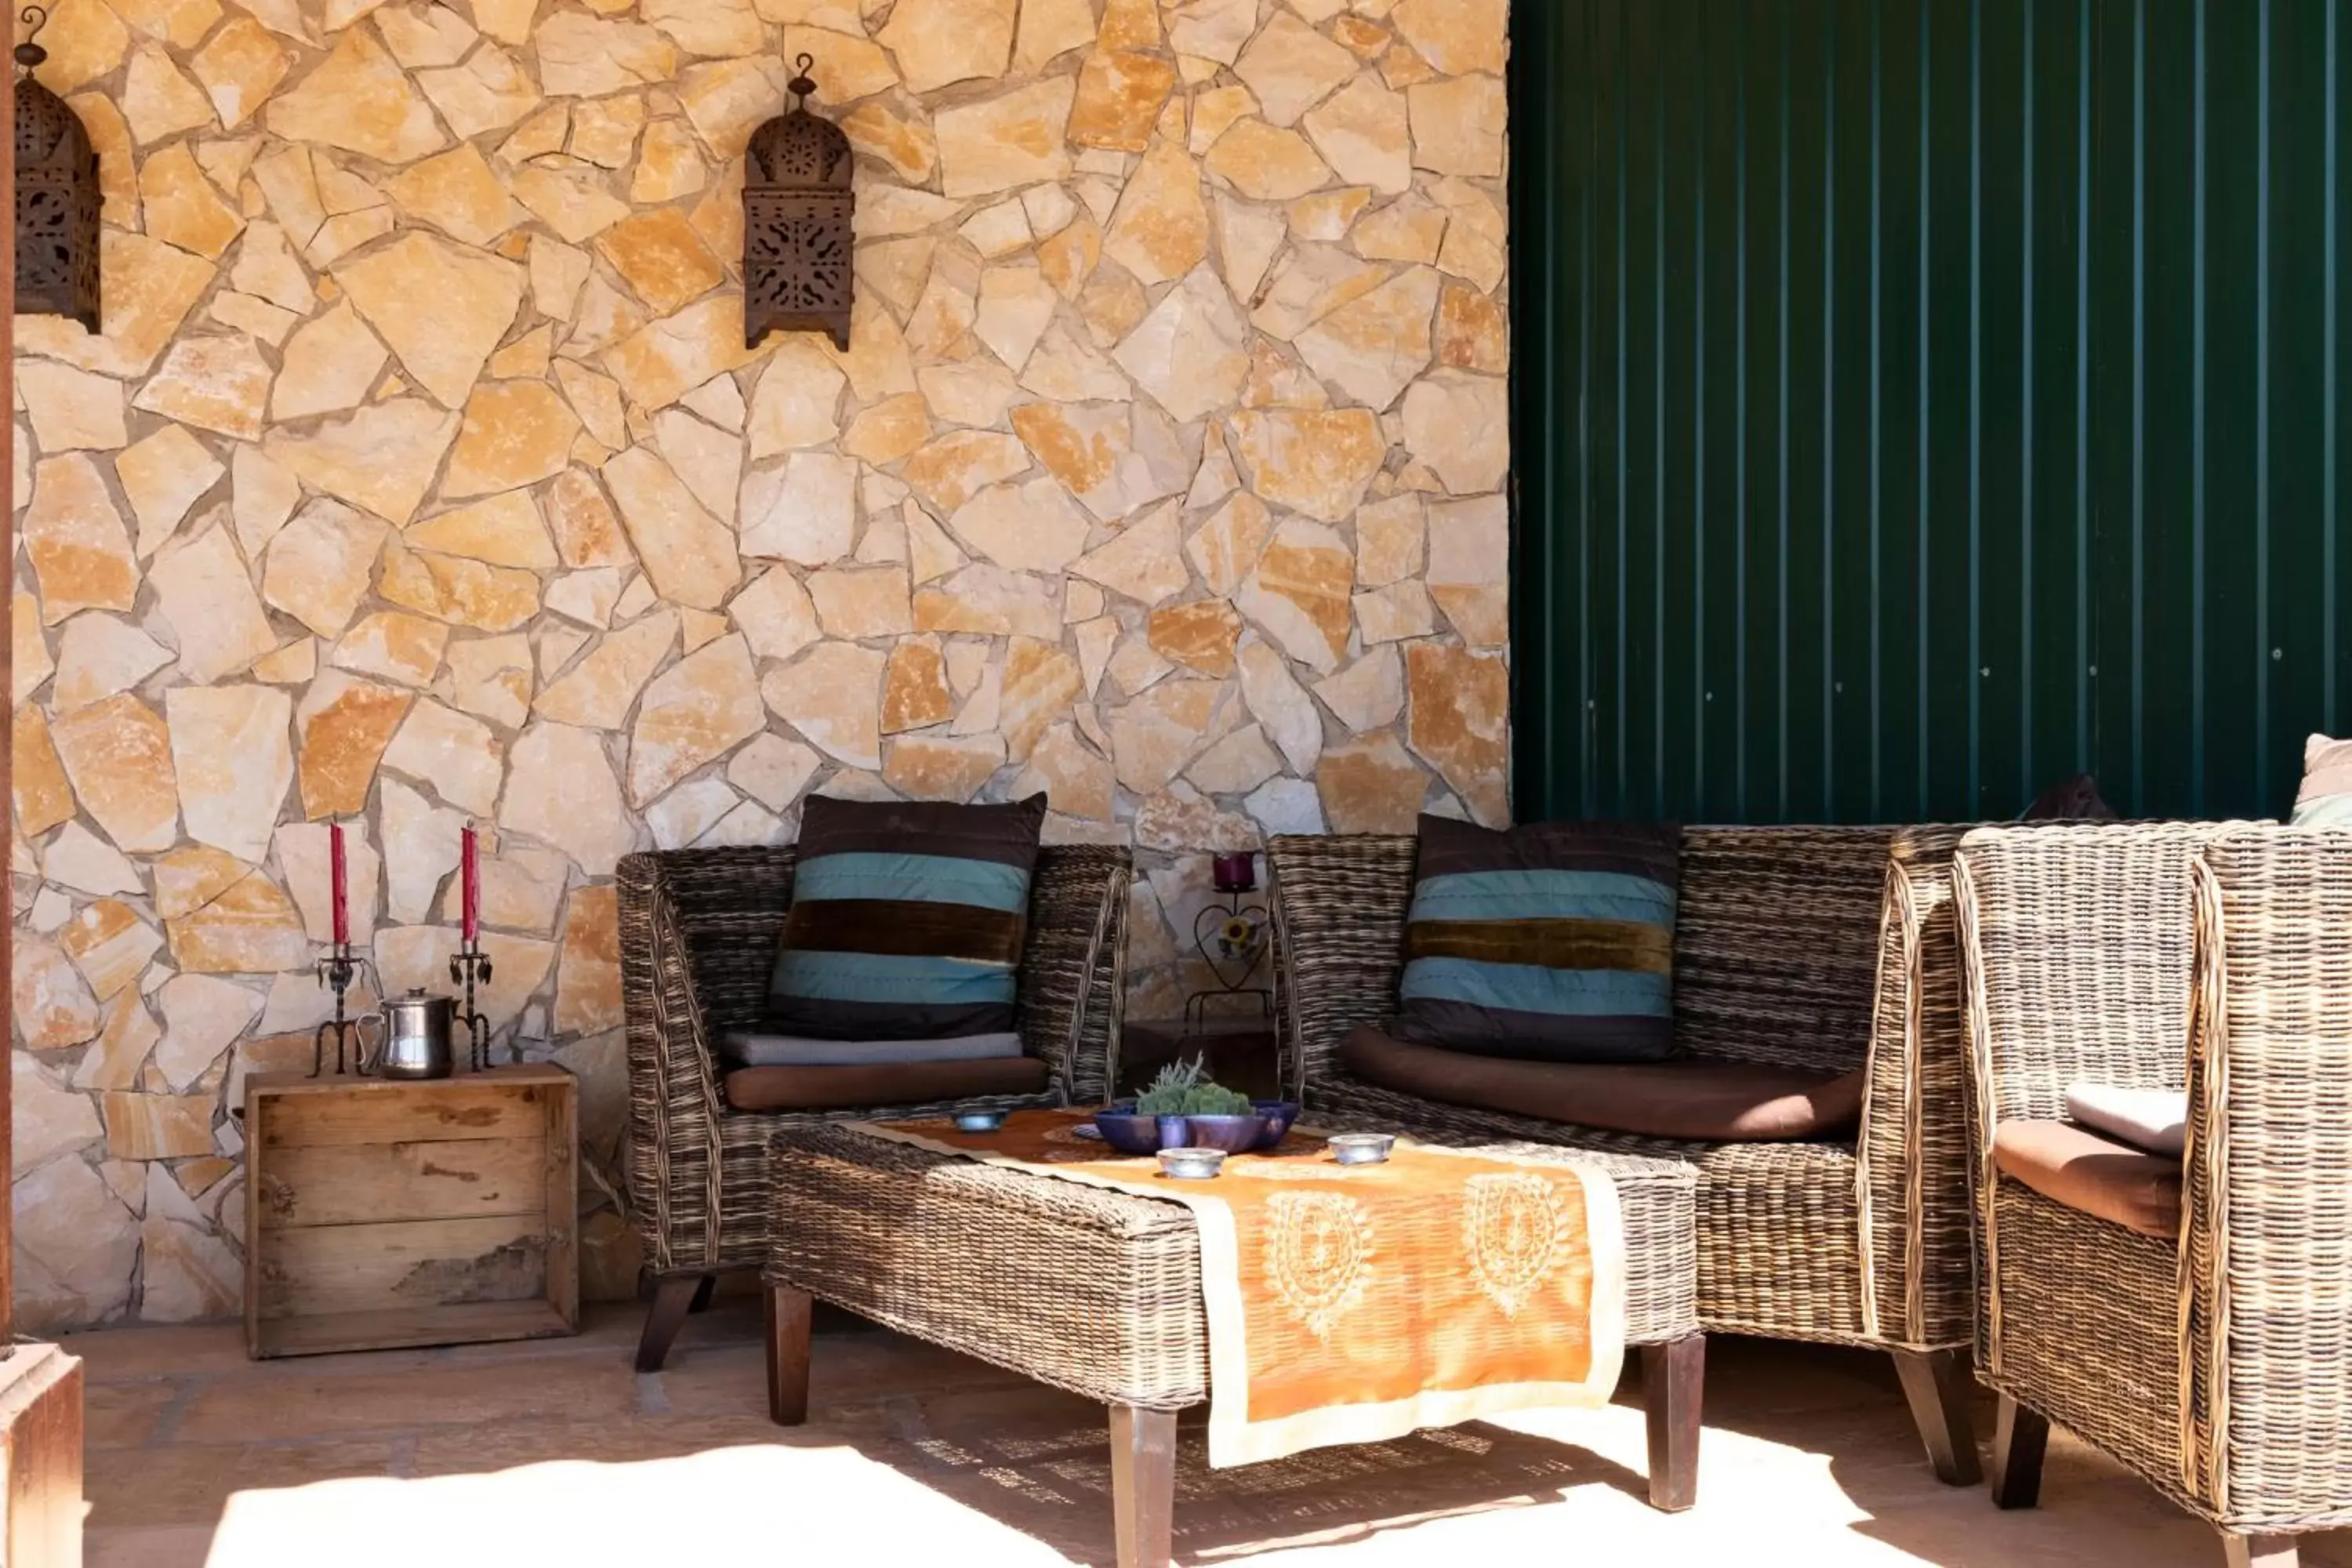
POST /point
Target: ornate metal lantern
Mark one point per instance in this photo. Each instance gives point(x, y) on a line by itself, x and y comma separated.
point(58, 198)
point(796, 223)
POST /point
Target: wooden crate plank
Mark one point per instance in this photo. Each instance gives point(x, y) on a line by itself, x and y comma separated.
point(313, 1270)
point(455, 1109)
point(352, 1223)
point(348, 1183)
point(302, 1083)
point(398, 1327)
point(562, 1189)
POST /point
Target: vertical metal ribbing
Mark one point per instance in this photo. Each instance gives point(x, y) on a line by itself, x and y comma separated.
point(2197, 630)
point(2331, 523)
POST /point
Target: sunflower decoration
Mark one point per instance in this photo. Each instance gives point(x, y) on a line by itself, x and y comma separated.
point(1238, 937)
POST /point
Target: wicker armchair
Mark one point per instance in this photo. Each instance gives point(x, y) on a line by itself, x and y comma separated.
point(2218, 1364)
point(699, 930)
point(1822, 947)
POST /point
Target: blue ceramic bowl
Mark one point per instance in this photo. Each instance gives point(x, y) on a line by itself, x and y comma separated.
point(1128, 1133)
point(1233, 1134)
point(1277, 1114)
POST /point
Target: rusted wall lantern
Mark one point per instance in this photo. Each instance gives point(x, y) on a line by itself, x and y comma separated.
point(797, 206)
point(57, 197)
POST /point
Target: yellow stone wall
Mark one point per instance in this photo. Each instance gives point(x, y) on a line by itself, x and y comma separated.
point(421, 474)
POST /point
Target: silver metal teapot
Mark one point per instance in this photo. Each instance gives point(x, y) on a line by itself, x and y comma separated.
point(417, 1030)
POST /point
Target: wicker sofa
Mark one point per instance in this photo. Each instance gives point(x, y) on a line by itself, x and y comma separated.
point(1817, 947)
point(699, 930)
point(2211, 1353)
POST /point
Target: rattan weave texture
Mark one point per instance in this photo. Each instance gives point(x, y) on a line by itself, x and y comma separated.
point(699, 932)
point(1088, 1290)
point(1825, 947)
point(2219, 955)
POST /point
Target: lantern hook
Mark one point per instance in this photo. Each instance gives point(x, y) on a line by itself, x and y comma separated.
point(30, 54)
point(802, 85)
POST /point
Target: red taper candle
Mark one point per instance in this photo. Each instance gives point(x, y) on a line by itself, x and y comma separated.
point(341, 883)
point(470, 867)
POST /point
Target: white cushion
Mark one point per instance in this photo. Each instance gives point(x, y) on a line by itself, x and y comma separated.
point(2155, 1119)
point(2326, 800)
point(747, 1049)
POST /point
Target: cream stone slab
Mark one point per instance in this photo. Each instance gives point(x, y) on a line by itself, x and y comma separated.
point(162, 477)
point(232, 753)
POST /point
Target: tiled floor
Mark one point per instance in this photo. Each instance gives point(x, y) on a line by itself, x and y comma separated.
point(556, 1452)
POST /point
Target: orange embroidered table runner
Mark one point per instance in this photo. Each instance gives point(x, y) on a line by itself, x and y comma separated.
point(1354, 1303)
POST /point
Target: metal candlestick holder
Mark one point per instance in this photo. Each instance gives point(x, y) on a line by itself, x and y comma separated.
point(1226, 933)
point(337, 971)
point(469, 965)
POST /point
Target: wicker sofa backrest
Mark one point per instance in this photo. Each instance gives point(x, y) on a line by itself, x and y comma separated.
point(2080, 944)
point(1777, 945)
point(1777, 942)
point(1339, 902)
point(730, 906)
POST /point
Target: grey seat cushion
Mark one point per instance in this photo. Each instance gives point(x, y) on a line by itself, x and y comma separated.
point(744, 1048)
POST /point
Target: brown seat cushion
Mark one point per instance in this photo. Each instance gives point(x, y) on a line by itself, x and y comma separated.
point(1705, 1102)
point(888, 1083)
point(2110, 1180)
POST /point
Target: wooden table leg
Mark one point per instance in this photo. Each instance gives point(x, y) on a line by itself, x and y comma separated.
point(1142, 1483)
point(788, 1316)
point(2259, 1550)
point(2019, 1438)
point(1673, 1386)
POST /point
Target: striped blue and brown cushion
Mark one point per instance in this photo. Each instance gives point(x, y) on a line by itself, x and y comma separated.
point(1553, 942)
point(906, 920)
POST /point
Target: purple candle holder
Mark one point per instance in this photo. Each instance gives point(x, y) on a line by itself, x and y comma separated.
point(1236, 873)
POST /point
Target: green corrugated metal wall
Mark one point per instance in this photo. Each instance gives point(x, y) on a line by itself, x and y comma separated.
point(1921, 400)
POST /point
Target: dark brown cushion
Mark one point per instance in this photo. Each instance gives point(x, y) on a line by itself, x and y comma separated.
point(2109, 1180)
point(1704, 1101)
point(2070, 800)
point(892, 1083)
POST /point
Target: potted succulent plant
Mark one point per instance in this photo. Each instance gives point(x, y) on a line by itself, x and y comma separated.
point(1182, 1107)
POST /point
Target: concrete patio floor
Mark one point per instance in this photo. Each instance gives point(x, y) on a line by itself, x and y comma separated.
point(557, 1452)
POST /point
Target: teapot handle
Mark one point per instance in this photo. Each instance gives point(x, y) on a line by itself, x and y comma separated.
point(371, 1054)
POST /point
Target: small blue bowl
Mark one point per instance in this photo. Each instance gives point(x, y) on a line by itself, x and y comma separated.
point(1128, 1133)
point(979, 1120)
point(1277, 1114)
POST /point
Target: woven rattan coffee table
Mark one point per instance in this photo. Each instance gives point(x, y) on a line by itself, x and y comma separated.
point(1099, 1292)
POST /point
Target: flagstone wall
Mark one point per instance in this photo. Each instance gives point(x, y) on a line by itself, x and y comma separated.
point(421, 474)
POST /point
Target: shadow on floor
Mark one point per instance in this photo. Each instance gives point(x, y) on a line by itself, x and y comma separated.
point(201, 1460)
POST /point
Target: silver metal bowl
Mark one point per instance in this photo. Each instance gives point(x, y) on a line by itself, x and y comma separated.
point(979, 1120)
point(1361, 1148)
point(1191, 1164)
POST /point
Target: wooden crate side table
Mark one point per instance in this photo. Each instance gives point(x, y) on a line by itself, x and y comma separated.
point(381, 1213)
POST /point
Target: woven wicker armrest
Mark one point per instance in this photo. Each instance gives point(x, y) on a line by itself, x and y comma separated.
point(698, 933)
point(2267, 1335)
point(1073, 969)
point(1912, 1149)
